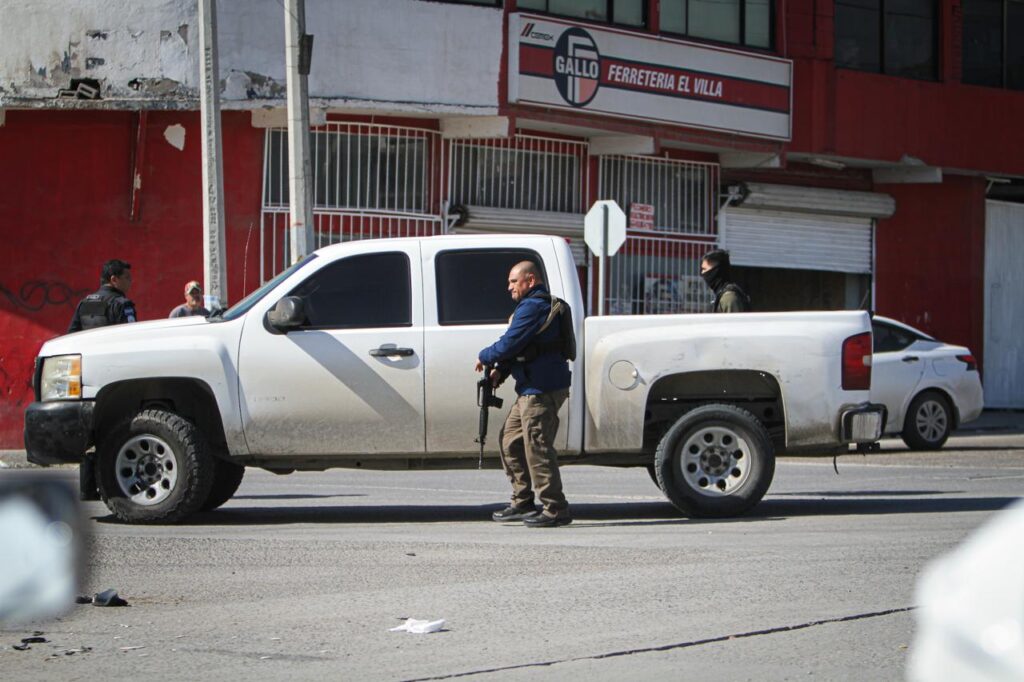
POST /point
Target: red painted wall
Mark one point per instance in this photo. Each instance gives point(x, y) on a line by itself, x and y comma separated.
point(931, 259)
point(882, 118)
point(64, 210)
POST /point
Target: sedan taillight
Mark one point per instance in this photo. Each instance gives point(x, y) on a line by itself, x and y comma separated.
point(972, 364)
point(857, 362)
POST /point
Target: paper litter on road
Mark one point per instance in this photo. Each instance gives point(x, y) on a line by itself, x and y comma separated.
point(419, 627)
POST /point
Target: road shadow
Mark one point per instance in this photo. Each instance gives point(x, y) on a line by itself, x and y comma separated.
point(948, 448)
point(829, 504)
point(600, 515)
point(294, 496)
point(867, 493)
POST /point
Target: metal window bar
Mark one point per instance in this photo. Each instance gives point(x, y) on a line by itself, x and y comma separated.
point(684, 194)
point(655, 275)
point(369, 181)
point(524, 172)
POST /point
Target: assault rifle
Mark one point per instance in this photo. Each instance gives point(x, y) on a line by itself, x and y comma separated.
point(485, 399)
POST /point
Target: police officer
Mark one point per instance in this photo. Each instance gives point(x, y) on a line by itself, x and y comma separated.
point(110, 304)
point(531, 352)
point(729, 297)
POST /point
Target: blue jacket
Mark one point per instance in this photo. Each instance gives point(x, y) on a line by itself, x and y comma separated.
point(548, 371)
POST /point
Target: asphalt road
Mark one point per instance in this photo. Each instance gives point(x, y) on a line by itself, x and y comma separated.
point(300, 577)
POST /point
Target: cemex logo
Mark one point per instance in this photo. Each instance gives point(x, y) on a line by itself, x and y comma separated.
point(577, 67)
point(528, 32)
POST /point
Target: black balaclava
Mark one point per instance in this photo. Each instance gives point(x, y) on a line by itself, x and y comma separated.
point(717, 277)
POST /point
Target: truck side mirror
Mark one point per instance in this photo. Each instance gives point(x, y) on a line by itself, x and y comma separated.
point(288, 313)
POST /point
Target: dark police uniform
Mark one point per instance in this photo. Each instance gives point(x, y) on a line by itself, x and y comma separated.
point(542, 384)
point(105, 307)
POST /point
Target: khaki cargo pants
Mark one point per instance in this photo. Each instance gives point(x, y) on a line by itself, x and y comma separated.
point(528, 454)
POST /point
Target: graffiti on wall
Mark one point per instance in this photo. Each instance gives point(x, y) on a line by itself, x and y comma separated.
point(36, 294)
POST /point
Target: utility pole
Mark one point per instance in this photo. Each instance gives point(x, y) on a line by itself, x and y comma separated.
point(298, 53)
point(214, 250)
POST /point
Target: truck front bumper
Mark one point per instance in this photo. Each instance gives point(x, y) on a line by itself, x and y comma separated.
point(58, 432)
point(863, 423)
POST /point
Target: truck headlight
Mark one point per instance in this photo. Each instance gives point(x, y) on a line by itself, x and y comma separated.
point(61, 378)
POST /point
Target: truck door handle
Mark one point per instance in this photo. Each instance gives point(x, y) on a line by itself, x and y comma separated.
point(387, 351)
point(911, 358)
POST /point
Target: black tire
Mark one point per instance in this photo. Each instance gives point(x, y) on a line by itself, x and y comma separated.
point(716, 461)
point(226, 479)
point(928, 423)
point(653, 473)
point(155, 468)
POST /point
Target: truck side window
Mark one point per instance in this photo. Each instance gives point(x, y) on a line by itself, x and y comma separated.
point(472, 284)
point(371, 290)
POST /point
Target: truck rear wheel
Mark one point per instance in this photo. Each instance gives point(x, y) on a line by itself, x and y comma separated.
point(155, 468)
point(226, 479)
point(716, 461)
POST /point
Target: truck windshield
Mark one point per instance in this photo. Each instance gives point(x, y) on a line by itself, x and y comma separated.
point(243, 306)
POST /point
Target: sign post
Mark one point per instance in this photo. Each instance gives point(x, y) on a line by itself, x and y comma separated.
point(604, 231)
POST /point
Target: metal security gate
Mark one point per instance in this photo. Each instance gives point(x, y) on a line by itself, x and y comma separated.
point(369, 181)
point(657, 276)
point(523, 173)
point(1004, 311)
point(657, 270)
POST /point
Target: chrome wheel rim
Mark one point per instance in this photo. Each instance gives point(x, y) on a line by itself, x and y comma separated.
point(715, 461)
point(146, 469)
point(931, 420)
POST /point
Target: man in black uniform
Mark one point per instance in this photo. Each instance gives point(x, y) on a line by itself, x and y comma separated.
point(110, 304)
point(729, 297)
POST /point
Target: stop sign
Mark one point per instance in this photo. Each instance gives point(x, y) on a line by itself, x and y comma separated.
point(604, 214)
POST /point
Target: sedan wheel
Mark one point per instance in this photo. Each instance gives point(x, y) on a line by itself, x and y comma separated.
point(929, 422)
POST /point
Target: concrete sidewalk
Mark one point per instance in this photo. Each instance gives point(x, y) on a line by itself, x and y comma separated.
point(996, 422)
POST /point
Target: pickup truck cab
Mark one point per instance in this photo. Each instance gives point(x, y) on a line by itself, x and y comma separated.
point(362, 355)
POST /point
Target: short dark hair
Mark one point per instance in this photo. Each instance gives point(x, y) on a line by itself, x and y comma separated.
point(717, 257)
point(113, 268)
point(528, 267)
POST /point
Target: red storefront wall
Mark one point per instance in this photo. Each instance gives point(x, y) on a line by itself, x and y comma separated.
point(65, 208)
point(931, 259)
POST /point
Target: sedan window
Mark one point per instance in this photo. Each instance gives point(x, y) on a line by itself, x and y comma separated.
point(888, 338)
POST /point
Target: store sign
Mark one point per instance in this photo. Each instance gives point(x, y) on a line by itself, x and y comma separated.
point(641, 216)
point(556, 63)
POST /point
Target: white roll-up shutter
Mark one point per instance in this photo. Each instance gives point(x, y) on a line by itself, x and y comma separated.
point(768, 197)
point(481, 219)
point(485, 218)
point(797, 240)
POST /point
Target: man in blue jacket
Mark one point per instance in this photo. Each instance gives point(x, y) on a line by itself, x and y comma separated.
point(530, 350)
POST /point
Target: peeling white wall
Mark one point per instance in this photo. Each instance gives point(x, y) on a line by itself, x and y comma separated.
point(423, 55)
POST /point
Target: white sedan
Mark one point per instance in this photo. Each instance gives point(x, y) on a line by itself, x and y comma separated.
point(929, 387)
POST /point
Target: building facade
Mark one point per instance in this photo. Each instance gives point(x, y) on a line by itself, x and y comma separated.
point(848, 154)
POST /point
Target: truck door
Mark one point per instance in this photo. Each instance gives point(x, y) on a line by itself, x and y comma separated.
point(469, 311)
point(350, 380)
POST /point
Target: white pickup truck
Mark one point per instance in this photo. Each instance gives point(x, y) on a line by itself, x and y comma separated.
point(362, 355)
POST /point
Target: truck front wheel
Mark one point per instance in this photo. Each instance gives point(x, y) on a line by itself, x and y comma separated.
point(716, 461)
point(155, 468)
